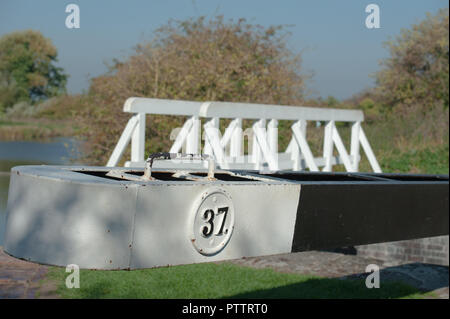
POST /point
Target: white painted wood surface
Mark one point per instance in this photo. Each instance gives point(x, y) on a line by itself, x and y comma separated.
point(263, 135)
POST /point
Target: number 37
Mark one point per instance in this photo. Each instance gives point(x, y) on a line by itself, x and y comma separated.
point(208, 216)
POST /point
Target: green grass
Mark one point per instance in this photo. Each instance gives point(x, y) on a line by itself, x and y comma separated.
point(423, 161)
point(429, 161)
point(224, 280)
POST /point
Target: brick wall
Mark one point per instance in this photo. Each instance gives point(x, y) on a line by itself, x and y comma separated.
point(433, 250)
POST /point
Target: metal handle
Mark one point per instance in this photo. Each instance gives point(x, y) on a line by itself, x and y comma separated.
point(178, 156)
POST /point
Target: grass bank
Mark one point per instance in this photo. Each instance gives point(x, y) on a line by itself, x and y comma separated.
point(34, 129)
point(428, 160)
point(222, 280)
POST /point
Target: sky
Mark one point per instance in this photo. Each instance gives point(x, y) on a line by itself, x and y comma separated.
point(336, 46)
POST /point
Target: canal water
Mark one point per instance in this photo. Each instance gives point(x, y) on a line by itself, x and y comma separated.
point(58, 152)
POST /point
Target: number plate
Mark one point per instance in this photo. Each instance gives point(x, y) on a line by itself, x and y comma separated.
point(213, 222)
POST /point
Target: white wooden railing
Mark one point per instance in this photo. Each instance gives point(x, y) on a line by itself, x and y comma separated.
point(263, 135)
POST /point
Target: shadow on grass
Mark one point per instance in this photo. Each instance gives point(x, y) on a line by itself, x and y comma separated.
point(408, 280)
point(332, 289)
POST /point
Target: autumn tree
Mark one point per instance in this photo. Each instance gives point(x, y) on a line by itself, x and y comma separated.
point(197, 59)
point(416, 72)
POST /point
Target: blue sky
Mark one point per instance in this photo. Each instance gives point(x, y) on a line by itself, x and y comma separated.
point(337, 47)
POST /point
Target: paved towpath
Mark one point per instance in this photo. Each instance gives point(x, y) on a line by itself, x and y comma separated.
point(20, 279)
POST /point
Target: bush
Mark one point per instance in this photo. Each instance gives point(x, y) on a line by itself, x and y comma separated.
point(192, 60)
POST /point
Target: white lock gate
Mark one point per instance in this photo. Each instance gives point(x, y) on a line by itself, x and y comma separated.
point(263, 135)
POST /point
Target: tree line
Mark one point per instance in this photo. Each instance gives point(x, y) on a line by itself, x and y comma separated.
point(221, 60)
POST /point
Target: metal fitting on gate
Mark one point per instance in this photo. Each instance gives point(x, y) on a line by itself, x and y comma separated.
point(177, 156)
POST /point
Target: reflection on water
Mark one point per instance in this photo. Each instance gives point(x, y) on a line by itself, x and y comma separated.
point(59, 151)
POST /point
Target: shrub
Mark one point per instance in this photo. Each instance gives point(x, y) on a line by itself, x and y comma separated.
point(192, 60)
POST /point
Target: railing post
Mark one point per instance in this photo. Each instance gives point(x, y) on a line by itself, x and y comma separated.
point(342, 151)
point(303, 125)
point(214, 122)
point(328, 146)
point(272, 133)
point(256, 149)
point(192, 146)
point(293, 147)
point(272, 136)
point(138, 140)
point(212, 141)
point(266, 151)
point(354, 147)
point(123, 142)
point(236, 142)
point(368, 150)
point(181, 137)
point(294, 152)
point(304, 147)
